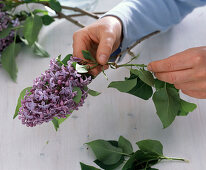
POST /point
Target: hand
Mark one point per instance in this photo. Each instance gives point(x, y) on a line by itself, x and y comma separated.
point(100, 39)
point(186, 70)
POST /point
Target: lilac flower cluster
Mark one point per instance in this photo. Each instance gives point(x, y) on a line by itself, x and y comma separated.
point(52, 94)
point(5, 20)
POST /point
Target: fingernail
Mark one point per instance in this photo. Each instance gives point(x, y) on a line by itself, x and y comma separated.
point(149, 67)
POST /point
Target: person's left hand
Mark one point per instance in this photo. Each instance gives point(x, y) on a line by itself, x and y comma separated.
point(186, 70)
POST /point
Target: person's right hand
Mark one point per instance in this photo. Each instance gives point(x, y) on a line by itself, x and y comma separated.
point(100, 38)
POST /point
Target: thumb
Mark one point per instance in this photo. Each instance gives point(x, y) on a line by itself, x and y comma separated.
point(104, 50)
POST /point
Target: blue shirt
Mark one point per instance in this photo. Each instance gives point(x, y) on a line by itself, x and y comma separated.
point(141, 17)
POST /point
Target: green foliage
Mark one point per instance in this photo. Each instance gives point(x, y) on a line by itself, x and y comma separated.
point(93, 93)
point(105, 151)
point(21, 96)
point(133, 85)
point(66, 59)
point(150, 153)
point(186, 107)
point(109, 167)
point(38, 50)
point(153, 146)
point(141, 90)
point(145, 76)
point(32, 26)
point(55, 5)
point(47, 20)
point(123, 86)
point(87, 167)
point(37, 11)
point(166, 97)
point(167, 103)
point(56, 122)
point(8, 59)
point(87, 55)
point(78, 96)
point(125, 145)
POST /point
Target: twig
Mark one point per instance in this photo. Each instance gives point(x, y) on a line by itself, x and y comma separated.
point(76, 9)
point(61, 15)
point(78, 15)
point(137, 42)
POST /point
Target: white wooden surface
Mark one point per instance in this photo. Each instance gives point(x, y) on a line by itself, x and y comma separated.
point(107, 116)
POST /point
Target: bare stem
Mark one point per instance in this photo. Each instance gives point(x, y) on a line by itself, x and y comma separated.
point(137, 42)
point(61, 15)
point(175, 159)
point(76, 9)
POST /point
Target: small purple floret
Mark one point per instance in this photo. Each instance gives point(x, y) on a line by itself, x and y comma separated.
point(52, 94)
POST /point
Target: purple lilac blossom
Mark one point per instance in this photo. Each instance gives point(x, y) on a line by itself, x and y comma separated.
point(52, 96)
point(5, 20)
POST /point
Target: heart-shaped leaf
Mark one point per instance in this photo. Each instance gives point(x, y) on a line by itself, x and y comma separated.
point(153, 146)
point(21, 96)
point(106, 152)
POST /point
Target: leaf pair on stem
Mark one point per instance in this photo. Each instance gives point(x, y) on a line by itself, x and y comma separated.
point(113, 154)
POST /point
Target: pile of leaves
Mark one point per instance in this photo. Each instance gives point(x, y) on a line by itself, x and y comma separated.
point(113, 154)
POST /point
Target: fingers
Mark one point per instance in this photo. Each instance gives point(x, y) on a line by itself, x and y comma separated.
point(177, 77)
point(80, 42)
point(196, 94)
point(105, 48)
point(192, 86)
point(179, 61)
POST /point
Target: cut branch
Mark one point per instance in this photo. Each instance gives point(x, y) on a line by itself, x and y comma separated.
point(76, 9)
point(137, 42)
point(61, 15)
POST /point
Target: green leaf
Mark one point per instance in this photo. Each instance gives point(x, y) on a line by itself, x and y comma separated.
point(141, 90)
point(47, 20)
point(55, 5)
point(36, 11)
point(56, 122)
point(87, 167)
point(77, 98)
point(80, 68)
point(159, 84)
point(93, 93)
point(186, 107)
point(24, 40)
point(21, 96)
point(109, 167)
point(66, 59)
point(123, 86)
point(38, 50)
point(139, 160)
point(32, 26)
point(87, 55)
point(125, 145)
point(167, 103)
point(153, 146)
point(8, 59)
point(5, 32)
point(106, 152)
point(145, 76)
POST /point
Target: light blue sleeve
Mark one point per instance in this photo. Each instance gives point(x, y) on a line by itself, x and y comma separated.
point(141, 17)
